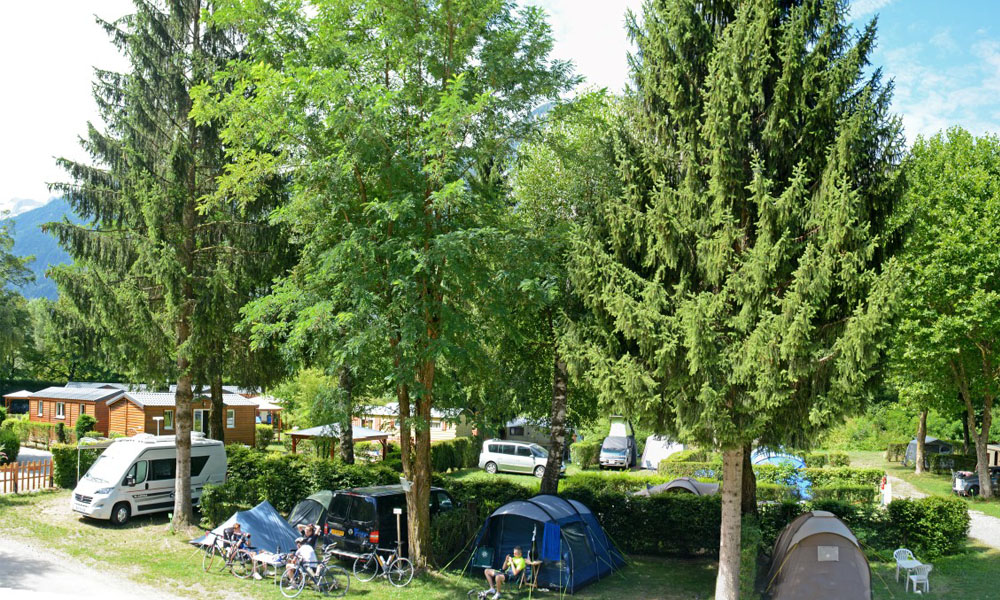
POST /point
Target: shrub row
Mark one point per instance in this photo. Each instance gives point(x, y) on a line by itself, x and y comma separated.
point(709, 470)
point(896, 451)
point(263, 436)
point(821, 459)
point(586, 455)
point(64, 458)
point(944, 464)
point(10, 446)
point(458, 453)
point(751, 545)
point(690, 455)
point(844, 476)
point(32, 432)
point(856, 494)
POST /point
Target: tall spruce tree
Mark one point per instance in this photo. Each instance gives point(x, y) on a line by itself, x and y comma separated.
point(742, 276)
point(159, 271)
point(394, 122)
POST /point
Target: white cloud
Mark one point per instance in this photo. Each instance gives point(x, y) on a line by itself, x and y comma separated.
point(860, 8)
point(943, 40)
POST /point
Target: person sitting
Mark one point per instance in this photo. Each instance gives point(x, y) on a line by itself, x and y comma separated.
point(236, 538)
point(310, 532)
point(305, 555)
point(511, 570)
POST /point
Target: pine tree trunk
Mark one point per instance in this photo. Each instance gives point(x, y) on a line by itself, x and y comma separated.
point(727, 584)
point(183, 513)
point(557, 426)
point(748, 503)
point(346, 425)
point(216, 428)
point(921, 441)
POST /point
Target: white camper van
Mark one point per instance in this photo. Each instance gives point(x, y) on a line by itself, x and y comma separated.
point(135, 476)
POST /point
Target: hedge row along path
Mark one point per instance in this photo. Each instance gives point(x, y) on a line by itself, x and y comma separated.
point(982, 528)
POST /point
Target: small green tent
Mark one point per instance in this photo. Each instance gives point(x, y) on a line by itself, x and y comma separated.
point(313, 509)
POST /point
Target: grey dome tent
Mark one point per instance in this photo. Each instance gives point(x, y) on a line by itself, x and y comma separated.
point(267, 529)
point(683, 485)
point(932, 445)
point(817, 557)
point(563, 534)
point(313, 509)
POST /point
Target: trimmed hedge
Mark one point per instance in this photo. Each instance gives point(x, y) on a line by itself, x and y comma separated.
point(690, 455)
point(931, 526)
point(844, 476)
point(709, 470)
point(816, 460)
point(458, 453)
point(263, 436)
point(775, 492)
point(64, 458)
point(84, 423)
point(896, 451)
point(857, 494)
point(944, 464)
point(840, 459)
point(10, 445)
point(586, 454)
point(751, 544)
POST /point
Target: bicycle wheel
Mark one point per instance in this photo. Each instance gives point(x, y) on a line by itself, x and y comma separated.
point(400, 572)
point(335, 582)
point(211, 556)
point(365, 567)
point(292, 583)
point(241, 566)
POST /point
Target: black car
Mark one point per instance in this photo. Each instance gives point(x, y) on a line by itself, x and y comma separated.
point(362, 518)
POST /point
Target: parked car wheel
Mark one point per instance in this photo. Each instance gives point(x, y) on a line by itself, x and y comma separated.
point(491, 468)
point(120, 513)
point(539, 471)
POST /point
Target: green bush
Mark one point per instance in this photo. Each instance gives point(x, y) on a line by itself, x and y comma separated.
point(844, 475)
point(690, 455)
point(10, 445)
point(586, 455)
point(775, 492)
point(856, 494)
point(930, 527)
point(451, 533)
point(944, 464)
point(443, 457)
point(707, 470)
point(839, 459)
point(92, 434)
point(3, 415)
point(219, 502)
point(612, 482)
point(816, 460)
point(896, 451)
point(84, 424)
point(263, 436)
point(750, 549)
point(457, 453)
point(64, 457)
point(484, 495)
point(784, 474)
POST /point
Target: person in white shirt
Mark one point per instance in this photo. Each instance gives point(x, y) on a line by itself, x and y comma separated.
point(305, 555)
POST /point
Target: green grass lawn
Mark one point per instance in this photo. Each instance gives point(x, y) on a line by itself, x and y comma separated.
point(968, 576)
point(146, 551)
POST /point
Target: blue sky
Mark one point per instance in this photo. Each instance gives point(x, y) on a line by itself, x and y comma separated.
point(945, 62)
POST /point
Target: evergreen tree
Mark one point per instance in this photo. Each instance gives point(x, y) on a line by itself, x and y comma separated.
point(394, 122)
point(741, 277)
point(14, 318)
point(160, 271)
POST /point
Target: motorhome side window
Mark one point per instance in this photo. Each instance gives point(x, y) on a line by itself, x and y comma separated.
point(138, 472)
point(197, 464)
point(163, 468)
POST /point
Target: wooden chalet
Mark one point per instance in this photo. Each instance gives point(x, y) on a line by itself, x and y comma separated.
point(66, 404)
point(136, 412)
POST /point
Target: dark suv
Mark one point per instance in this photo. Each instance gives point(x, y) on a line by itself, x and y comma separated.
point(966, 483)
point(362, 518)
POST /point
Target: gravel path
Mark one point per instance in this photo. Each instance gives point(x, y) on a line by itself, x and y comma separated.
point(29, 573)
point(983, 528)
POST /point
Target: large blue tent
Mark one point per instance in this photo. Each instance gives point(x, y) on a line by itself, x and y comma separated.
point(267, 529)
point(563, 534)
point(768, 456)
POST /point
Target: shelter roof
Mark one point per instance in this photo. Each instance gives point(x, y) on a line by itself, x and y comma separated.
point(20, 394)
point(358, 432)
point(392, 410)
point(84, 394)
point(143, 399)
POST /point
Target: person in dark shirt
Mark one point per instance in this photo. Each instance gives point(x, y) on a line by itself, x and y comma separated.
point(310, 533)
point(236, 538)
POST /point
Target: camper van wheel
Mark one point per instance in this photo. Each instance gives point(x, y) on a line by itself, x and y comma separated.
point(120, 513)
point(491, 468)
point(539, 471)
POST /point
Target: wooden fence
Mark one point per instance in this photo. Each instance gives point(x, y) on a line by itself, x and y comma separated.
point(22, 477)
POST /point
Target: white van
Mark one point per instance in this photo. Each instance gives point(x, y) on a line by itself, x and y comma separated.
point(135, 476)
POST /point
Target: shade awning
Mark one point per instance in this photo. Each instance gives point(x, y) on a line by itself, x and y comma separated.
point(359, 433)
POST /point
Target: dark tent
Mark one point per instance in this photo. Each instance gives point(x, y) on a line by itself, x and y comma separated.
point(683, 485)
point(817, 557)
point(563, 534)
point(932, 445)
point(312, 510)
point(267, 529)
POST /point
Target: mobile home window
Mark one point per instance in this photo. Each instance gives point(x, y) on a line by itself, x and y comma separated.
point(230, 418)
point(60, 410)
point(163, 468)
point(168, 419)
point(41, 408)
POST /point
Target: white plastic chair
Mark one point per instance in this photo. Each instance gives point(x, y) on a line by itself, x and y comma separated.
point(919, 576)
point(901, 555)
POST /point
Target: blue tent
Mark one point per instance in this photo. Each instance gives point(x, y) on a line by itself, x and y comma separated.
point(267, 529)
point(766, 456)
point(563, 534)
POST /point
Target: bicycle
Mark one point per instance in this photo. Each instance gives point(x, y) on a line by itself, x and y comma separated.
point(239, 563)
point(398, 570)
point(327, 579)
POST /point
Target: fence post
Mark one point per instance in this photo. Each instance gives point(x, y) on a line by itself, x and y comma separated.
point(16, 475)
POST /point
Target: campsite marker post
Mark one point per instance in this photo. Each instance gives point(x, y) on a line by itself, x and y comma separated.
point(399, 532)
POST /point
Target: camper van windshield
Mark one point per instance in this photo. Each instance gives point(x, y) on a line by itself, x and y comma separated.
point(105, 470)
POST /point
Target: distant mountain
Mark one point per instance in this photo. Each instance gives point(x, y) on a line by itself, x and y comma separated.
point(16, 206)
point(30, 240)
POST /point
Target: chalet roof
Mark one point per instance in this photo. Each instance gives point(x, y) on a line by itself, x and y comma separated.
point(392, 410)
point(20, 394)
point(144, 399)
point(84, 394)
point(359, 433)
